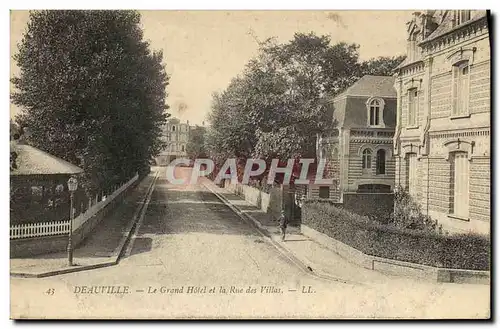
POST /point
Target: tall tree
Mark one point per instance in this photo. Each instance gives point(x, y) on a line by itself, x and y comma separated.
point(91, 91)
point(304, 71)
point(278, 103)
point(195, 147)
point(14, 129)
point(381, 65)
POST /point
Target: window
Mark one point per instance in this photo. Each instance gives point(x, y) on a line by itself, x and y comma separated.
point(173, 128)
point(375, 109)
point(367, 159)
point(462, 16)
point(460, 185)
point(381, 162)
point(411, 170)
point(182, 148)
point(412, 106)
point(324, 192)
point(460, 104)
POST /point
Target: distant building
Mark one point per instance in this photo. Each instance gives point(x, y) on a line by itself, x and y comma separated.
point(176, 136)
point(442, 139)
point(359, 150)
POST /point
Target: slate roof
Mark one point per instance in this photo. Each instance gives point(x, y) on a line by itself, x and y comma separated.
point(446, 25)
point(372, 85)
point(403, 64)
point(33, 161)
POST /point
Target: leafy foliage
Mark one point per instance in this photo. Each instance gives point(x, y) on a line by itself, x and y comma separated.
point(408, 213)
point(195, 147)
point(462, 251)
point(14, 130)
point(275, 108)
point(91, 91)
point(381, 65)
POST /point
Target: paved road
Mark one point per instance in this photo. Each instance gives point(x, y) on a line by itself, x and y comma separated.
point(188, 238)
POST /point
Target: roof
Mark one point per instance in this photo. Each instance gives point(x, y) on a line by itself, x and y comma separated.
point(33, 161)
point(403, 63)
point(372, 85)
point(446, 25)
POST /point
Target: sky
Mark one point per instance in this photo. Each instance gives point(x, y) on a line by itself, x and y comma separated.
point(204, 50)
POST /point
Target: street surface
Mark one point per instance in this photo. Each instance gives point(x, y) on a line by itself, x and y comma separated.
point(193, 257)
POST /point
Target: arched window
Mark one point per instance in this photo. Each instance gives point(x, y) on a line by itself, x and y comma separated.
point(173, 128)
point(374, 112)
point(381, 162)
point(367, 159)
point(375, 107)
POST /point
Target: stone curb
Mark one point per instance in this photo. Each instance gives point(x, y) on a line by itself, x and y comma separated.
point(278, 245)
point(130, 229)
point(117, 253)
point(397, 267)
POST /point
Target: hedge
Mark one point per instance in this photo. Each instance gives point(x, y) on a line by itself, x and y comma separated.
point(461, 251)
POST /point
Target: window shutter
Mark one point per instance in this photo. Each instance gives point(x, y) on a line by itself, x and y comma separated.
point(464, 90)
point(454, 101)
point(412, 106)
point(415, 107)
point(461, 186)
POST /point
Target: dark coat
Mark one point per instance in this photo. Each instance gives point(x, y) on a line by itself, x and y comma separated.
point(283, 221)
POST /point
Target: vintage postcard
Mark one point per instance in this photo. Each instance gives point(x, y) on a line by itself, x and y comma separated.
point(250, 164)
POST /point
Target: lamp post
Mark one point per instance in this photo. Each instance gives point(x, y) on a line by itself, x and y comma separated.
point(72, 186)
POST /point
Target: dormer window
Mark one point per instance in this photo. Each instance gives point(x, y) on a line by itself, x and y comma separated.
point(462, 16)
point(375, 107)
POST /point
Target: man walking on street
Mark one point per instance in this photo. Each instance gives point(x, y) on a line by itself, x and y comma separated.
point(283, 223)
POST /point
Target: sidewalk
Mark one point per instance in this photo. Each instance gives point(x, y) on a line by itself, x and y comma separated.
point(323, 262)
point(102, 248)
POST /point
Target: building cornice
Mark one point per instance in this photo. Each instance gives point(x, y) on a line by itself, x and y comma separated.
point(412, 68)
point(372, 140)
point(456, 35)
point(342, 97)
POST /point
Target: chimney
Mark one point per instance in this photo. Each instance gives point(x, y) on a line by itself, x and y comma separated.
point(187, 121)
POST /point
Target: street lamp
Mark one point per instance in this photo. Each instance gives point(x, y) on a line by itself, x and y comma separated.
point(72, 186)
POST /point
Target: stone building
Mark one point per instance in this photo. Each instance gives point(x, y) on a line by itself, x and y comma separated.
point(359, 151)
point(442, 139)
point(176, 135)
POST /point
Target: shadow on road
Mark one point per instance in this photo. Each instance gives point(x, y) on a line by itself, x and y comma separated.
point(184, 211)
